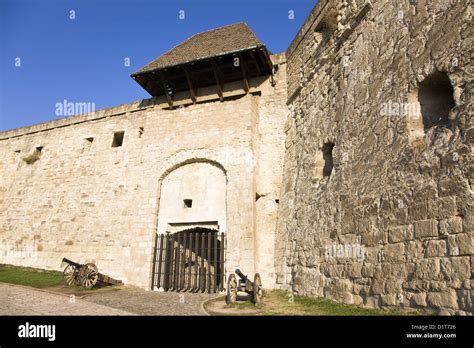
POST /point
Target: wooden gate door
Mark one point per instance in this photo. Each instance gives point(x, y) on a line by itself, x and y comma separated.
point(192, 260)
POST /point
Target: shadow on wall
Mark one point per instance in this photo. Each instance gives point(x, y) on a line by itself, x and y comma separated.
point(436, 100)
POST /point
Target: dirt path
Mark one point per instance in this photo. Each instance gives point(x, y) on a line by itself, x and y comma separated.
point(21, 300)
point(152, 302)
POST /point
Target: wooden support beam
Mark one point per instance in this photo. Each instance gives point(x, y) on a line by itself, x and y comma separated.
point(261, 59)
point(162, 81)
point(142, 82)
point(270, 63)
point(149, 86)
point(191, 89)
point(255, 58)
point(244, 74)
point(218, 81)
point(267, 58)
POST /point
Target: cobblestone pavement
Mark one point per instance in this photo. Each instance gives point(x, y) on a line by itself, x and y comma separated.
point(19, 300)
point(152, 302)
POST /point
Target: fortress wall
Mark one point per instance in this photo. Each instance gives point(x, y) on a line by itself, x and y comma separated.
point(92, 202)
point(399, 191)
point(270, 150)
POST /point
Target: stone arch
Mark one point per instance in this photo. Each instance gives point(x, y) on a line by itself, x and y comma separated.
point(190, 161)
point(188, 158)
point(171, 165)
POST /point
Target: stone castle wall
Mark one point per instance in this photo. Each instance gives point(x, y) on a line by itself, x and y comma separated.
point(392, 223)
point(368, 200)
point(66, 192)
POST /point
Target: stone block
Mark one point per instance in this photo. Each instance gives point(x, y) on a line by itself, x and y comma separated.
point(443, 207)
point(394, 252)
point(466, 300)
point(400, 233)
point(388, 300)
point(464, 242)
point(353, 270)
point(426, 228)
point(332, 270)
point(418, 299)
point(377, 287)
point(418, 211)
point(468, 220)
point(414, 250)
point(393, 285)
point(339, 290)
point(373, 238)
point(446, 299)
point(399, 270)
point(450, 226)
point(372, 301)
point(435, 248)
point(367, 270)
point(427, 269)
point(357, 300)
point(452, 246)
point(456, 268)
point(373, 254)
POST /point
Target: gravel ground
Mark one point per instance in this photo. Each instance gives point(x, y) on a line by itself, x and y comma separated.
point(152, 302)
point(21, 300)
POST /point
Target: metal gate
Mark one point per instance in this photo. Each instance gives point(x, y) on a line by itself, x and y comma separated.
point(191, 260)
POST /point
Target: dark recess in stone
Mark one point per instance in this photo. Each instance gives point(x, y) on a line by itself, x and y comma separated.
point(436, 100)
point(328, 159)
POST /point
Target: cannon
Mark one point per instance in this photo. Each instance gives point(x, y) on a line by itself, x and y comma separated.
point(254, 289)
point(86, 275)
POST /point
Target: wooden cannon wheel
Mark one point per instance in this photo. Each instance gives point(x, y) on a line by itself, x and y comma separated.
point(70, 275)
point(231, 296)
point(88, 275)
point(257, 289)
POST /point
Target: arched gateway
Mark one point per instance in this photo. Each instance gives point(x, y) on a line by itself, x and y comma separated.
point(189, 250)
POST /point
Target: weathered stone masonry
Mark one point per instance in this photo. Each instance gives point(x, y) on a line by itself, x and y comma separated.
point(368, 199)
point(83, 199)
point(397, 187)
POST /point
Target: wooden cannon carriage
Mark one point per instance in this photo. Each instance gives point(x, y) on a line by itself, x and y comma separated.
point(86, 275)
point(254, 289)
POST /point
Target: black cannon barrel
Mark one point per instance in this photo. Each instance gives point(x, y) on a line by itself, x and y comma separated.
point(72, 263)
point(241, 275)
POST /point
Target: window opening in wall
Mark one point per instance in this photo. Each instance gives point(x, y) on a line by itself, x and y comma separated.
point(324, 161)
point(87, 144)
point(141, 130)
point(328, 159)
point(435, 96)
point(16, 155)
point(188, 203)
point(322, 35)
point(118, 139)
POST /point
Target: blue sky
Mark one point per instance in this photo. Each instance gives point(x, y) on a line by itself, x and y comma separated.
point(82, 59)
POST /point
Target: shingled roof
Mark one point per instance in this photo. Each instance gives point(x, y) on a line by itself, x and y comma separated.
point(214, 57)
point(221, 41)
